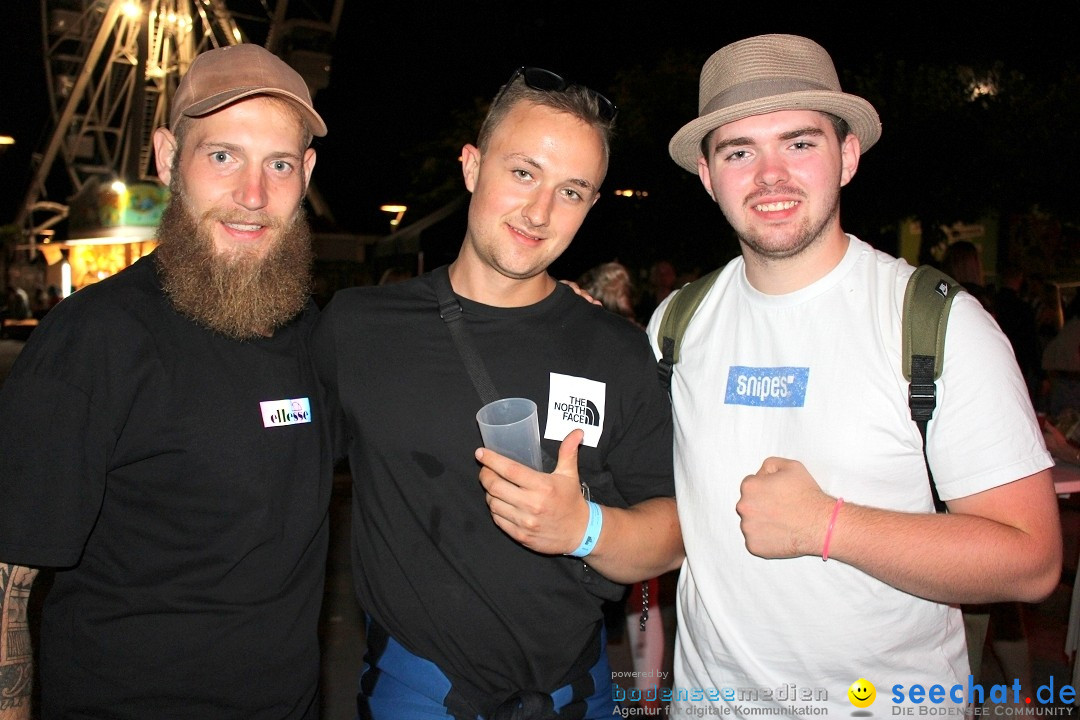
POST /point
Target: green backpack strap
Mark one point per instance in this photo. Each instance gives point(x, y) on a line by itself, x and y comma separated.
point(927, 302)
point(676, 318)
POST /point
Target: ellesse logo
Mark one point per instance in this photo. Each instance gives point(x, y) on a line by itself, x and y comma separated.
point(276, 413)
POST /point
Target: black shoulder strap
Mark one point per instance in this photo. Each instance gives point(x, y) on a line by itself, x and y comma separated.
point(451, 313)
point(676, 318)
point(927, 302)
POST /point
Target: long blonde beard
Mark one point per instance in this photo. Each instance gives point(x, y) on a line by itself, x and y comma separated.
point(237, 294)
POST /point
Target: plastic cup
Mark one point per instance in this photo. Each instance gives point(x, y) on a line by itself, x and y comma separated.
point(509, 427)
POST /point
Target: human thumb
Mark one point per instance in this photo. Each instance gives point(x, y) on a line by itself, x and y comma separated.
point(568, 453)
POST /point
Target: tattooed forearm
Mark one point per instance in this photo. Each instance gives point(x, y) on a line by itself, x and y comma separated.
point(16, 682)
point(16, 652)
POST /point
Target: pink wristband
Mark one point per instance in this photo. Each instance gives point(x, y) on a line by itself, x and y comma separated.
point(828, 530)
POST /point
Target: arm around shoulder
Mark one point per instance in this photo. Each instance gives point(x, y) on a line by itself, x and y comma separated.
point(16, 652)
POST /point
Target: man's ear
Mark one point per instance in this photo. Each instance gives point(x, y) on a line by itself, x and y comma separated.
point(705, 175)
point(309, 165)
point(850, 152)
point(164, 151)
point(470, 165)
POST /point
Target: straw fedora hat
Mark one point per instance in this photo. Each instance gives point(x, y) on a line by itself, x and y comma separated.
point(765, 74)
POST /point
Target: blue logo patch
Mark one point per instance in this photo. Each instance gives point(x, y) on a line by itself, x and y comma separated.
point(767, 387)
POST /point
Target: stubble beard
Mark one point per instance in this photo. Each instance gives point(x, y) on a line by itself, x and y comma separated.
point(803, 237)
point(237, 293)
point(502, 258)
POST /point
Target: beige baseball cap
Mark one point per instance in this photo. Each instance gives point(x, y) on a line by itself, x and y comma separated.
point(222, 76)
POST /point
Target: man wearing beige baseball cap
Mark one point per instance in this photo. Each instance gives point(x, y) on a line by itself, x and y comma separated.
point(793, 438)
point(167, 457)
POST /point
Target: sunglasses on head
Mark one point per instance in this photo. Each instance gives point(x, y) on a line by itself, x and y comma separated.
point(541, 79)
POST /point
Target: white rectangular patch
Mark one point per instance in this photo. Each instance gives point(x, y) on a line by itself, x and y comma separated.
point(276, 413)
point(575, 402)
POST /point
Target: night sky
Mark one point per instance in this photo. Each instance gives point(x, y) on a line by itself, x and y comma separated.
point(406, 72)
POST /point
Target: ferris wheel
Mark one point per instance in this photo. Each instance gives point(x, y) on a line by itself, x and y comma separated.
point(112, 67)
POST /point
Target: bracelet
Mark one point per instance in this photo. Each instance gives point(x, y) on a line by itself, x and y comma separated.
point(828, 530)
point(592, 532)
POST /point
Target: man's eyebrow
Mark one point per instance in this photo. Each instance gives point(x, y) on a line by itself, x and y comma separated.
point(522, 157)
point(219, 145)
point(582, 183)
point(802, 132)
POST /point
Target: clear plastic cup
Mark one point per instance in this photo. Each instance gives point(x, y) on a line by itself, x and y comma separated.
point(510, 427)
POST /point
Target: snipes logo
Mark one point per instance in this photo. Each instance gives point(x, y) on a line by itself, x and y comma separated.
point(767, 386)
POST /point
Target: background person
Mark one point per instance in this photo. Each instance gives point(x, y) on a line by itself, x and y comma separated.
point(963, 264)
point(1061, 363)
point(610, 284)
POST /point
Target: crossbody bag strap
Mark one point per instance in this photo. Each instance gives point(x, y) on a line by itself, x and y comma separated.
point(451, 313)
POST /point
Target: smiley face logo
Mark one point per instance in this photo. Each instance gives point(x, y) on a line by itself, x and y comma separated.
point(862, 693)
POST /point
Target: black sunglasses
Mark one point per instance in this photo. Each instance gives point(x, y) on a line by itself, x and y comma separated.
point(541, 79)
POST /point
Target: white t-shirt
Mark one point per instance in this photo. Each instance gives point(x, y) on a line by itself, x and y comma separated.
point(816, 376)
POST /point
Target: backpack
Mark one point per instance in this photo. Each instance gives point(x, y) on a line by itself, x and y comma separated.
point(927, 301)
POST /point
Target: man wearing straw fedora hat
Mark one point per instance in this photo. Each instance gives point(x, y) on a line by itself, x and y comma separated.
point(793, 439)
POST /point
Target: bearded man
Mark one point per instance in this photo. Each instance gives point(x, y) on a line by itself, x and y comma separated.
point(161, 438)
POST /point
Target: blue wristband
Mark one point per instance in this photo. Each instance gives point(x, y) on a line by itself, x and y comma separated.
point(592, 532)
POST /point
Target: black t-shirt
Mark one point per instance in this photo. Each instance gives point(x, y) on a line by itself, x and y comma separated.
point(430, 565)
point(179, 480)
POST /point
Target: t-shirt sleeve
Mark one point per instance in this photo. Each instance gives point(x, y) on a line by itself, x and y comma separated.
point(54, 443)
point(640, 459)
point(984, 432)
point(653, 328)
point(322, 348)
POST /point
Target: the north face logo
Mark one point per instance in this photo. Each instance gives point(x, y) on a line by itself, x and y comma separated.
point(578, 410)
point(575, 403)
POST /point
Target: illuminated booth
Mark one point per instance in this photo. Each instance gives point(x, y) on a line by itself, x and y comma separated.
point(109, 228)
